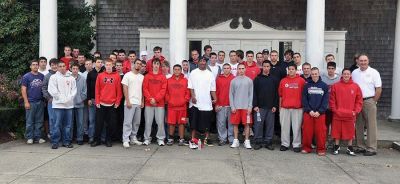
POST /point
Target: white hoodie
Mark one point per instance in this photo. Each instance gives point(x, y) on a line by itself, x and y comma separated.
point(63, 90)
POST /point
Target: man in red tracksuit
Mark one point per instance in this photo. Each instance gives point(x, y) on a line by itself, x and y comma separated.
point(252, 70)
point(108, 97)
point(345, 102)
point(154, 88)
point(127, 63)
point(157, 54)
point(177, 97)
point(315, 103)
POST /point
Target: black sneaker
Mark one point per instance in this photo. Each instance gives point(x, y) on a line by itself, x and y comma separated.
point(350, 151)
point(108, 144)
point(221, 143)
point(336, 149)
point(369, 153)
point(208, 142)
point(79, 142)
point(257, 146)
point(296, 150)
point(269, 146)
point(359, 150)
point(54, 146)
point(68, 145)
point(284, 148)
point(94, 144)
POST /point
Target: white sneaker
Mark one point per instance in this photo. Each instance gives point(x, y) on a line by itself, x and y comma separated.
point(41, 141)
point(126, 145)
point(247, 144)
point(134, 141)
point(146, 142)
point(29, 141)
point(235, 143)
point(160, 142)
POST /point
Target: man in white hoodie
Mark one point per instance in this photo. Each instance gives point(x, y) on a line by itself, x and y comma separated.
point(62, 87)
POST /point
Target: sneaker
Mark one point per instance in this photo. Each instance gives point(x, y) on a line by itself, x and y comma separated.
point(221, 143)
point(68, 145)
point(235, 143)
point(350, 152)
point(146, 142)
point(208, 142)
point(94, 144)
point(313, 146)
point(170, 142)
point(29, 141)
point(247, 144)
point(359, 150)
point(108, 144)
point(283, 148)
point(161, 142)
point(192, 145)
point(79, 142)
point(269, 146)
point(296, 150)
point(257, 146)
point(41, 141)
point(181, 142)
point(125, 144)
point(336, 149)
point(54, 146)
point(369, 153)
point(134, 141)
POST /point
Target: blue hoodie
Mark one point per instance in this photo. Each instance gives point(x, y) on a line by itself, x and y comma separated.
point(315, 96)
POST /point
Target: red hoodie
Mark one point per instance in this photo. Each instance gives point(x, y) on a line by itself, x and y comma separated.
point(252, 71)
point(66, 61)
point(290, 91)
point(154, 86)
point(149, 64)
point(178, 94)
point(126, 66)
point(345, 98)
point(108, 88)
point(223, 84)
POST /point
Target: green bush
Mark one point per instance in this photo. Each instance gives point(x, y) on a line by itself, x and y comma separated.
point(12, 120)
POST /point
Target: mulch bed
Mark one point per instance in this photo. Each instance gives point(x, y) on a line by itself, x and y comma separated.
point(6, 137)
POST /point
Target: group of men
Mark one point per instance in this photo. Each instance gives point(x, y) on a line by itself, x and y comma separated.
point(257, 97)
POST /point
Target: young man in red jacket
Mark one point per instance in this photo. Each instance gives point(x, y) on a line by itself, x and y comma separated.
point(154, 88)
point(157, 54)
point(291, 112)
point(127, 63)
point(252, 70)
point(222, 107)
point(177, 96)
point(108, 97)
point(345, 102)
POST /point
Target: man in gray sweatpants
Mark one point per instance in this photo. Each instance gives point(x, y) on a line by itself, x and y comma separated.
point(265, 103)
point(132, 87)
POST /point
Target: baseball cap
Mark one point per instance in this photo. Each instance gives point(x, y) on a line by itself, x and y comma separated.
point(265, 51)
point(143, 53)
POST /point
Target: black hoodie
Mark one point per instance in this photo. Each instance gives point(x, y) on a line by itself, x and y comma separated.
point(91, 82)
point(265, 93)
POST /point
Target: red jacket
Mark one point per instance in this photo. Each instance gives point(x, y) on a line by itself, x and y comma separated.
point(149, 64)
point(345, 98)
point(108, 88)
point(178, 94)
point(290, 91)
point(252, 71)
point(126, 66)
point(66, 61)
point(154, 86)
point(223, 84)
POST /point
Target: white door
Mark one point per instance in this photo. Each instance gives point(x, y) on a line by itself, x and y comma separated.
point(163, 43)
point(225, 45)
point(255, 46)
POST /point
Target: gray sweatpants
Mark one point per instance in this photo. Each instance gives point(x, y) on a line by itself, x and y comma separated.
point(223, 118)
point(291, 118)
point(149, 114)
point(264, 129)
point(131, 122)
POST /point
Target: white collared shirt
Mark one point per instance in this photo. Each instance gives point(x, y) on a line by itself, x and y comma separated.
point(368, 80)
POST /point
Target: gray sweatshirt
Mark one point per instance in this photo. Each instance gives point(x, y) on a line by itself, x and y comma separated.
point(45, 86)
point(241, 93)
point(81, 93)
point(330, 81)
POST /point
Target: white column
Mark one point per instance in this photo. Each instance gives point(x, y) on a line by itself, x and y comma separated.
point(93, 23)
point(395, 111)
point(315, 27)
point(177, 31)
point(48, 29)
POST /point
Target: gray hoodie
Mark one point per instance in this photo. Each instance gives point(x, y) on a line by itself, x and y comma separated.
point(81, 92)
point(45, 92)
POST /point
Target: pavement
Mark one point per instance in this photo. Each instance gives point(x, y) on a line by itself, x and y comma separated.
point(22, 163)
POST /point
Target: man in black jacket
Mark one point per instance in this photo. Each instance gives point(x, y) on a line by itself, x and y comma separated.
point(265, 103)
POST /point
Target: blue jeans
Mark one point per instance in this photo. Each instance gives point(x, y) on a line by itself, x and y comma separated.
point(62, 126)
point(34, 121)
point(92, 123)
point(78, 114)
point(52, 115)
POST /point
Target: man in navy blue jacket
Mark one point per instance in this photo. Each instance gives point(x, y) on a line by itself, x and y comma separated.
point(315, 103)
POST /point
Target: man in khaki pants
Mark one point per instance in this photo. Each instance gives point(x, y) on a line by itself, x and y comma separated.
point(370, 83)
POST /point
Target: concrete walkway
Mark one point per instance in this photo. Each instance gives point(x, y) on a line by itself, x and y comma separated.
point(21, 163)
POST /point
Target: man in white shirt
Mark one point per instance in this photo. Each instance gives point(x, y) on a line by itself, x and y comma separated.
point(370, 83)
point(215, 69)
point(233, 61)
point(221, 59)
point(43, 66)
point(201, 84)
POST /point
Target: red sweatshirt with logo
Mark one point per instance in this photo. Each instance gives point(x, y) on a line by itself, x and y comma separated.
point(178, 94)
point(252, 71)
point(223, 84)
point(149, 64)
point(345, 98)
point(108, 88)
point(154, 86)
point(290, 91)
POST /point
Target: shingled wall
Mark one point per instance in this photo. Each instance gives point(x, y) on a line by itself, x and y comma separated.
point(370, 25)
